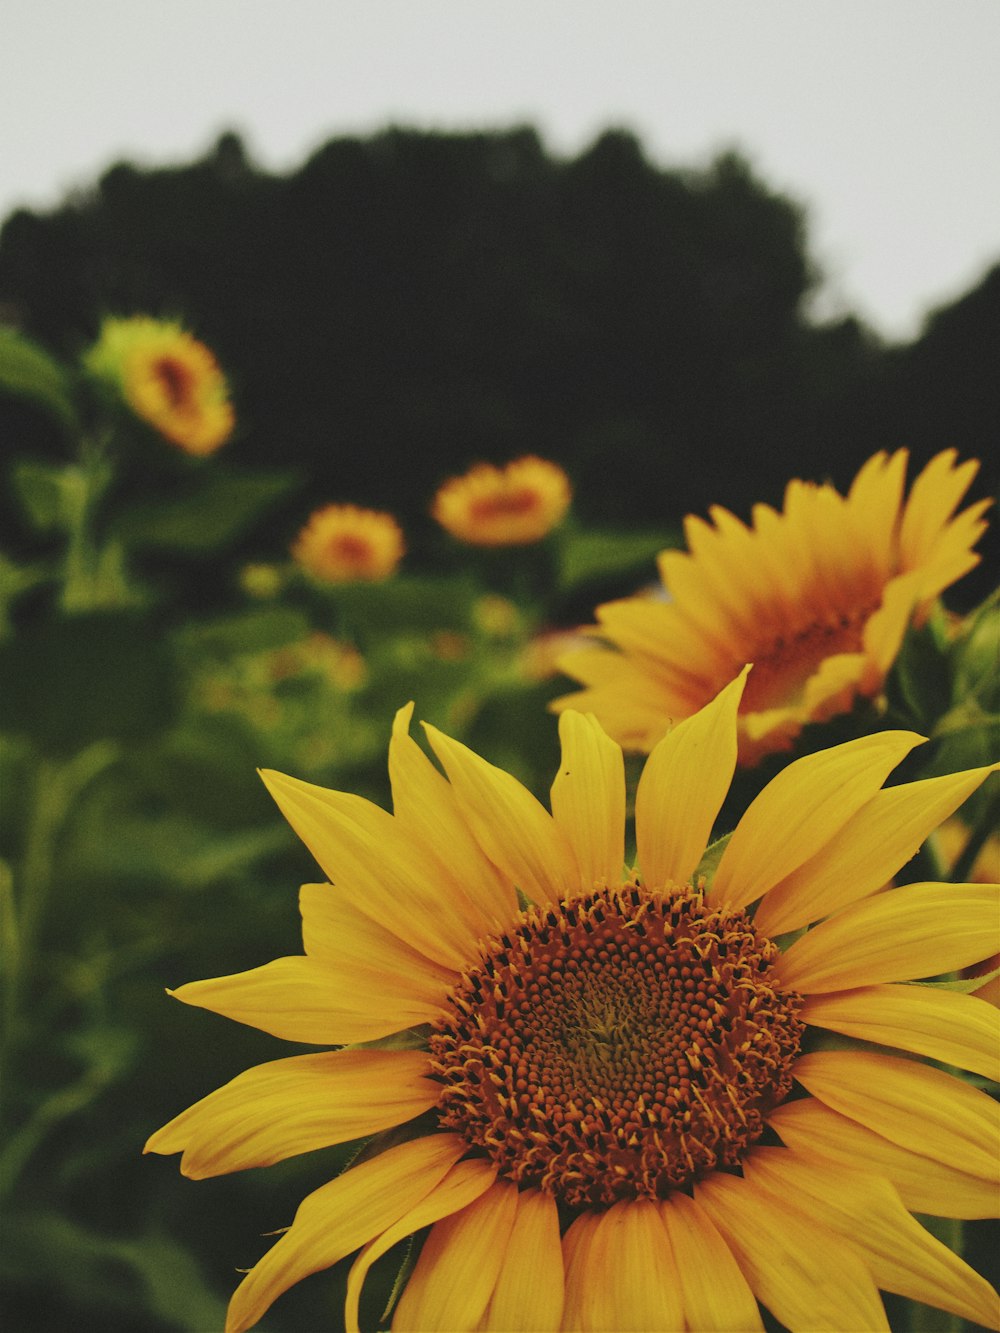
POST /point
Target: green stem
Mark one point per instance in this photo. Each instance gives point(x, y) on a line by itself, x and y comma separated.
point(83, 486)
point(57, 787)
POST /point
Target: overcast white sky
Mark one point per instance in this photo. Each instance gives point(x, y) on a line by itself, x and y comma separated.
point(881, 116)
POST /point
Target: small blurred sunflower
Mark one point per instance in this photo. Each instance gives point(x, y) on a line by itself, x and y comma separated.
point(608, 1101)
point(168, 378)
point(509, 506)
point(818, 597)
point(345, 543)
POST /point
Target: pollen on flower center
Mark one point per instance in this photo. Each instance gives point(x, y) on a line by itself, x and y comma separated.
point(617, 1046)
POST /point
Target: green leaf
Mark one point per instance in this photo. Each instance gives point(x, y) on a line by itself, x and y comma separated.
point(46, 493)
point(248, 632)
point(594, 553)
point(69, 682)
point(920, 678)
point(26, 371)
point(166, 1281)
point(222, 506)
point(405, 602)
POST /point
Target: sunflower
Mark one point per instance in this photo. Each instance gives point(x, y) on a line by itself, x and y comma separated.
point(508, 506)
point(611, 1102)
point(168, 378)
point(344, 543)
point(818, 597)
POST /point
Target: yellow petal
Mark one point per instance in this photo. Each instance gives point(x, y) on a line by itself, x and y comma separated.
point(361, 845)
point(529, 1292)
point(801, 810)
point(714, 1291)
point(633, 1278)
point(580, 1275)
point(866, 1210)
point(682, 788)
point(513, 829)
point(368, 960)
point(588, 799)
point(816, 1132)
point(869, 850)
point(300, 1000)
point(425, 806)
point(341, 1216)
point(292, 1106)
point(910, 1103)
point(875, 498)
point(956, 1029)
point(919, 930)
point(934, 496)
point(454, 1277)
point(464, 1183)
point(635, 707)
point(807, 1277)
point(884, 630)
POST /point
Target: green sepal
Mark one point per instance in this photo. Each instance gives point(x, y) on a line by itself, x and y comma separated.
point(709, 863)
point(410, 1039)
point(962, 986)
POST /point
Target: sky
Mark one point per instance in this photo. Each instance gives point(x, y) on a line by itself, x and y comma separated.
point(879, 116)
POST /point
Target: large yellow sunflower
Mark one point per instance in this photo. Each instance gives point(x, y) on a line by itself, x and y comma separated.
point(168, 378)
point(628, 1116)
point(818, 597)
point(509, 506)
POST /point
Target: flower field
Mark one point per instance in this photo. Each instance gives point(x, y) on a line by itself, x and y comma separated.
point(650, 984)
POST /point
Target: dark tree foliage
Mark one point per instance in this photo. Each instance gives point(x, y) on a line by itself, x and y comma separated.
point(406, 304)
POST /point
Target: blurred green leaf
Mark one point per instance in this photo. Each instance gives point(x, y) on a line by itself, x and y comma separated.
point(16, 579)
point(69, 682)
point(165, 1279)
point(594, 553)
point(977, 656)
point(26, 371)
point(246, 632)
point(920, 680)
point(220, 508)
point(406, 602)
point(41, 490)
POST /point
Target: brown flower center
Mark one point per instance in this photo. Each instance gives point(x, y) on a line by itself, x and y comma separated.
point(505, 503)
point(617, 1046)
point(176, 381)
point(784, 664)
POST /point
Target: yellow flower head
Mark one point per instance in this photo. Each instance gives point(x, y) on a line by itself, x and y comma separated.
point(344, 544)
point(168, 378)
point(508, 506)
point(818, 597)
point(610, 1107)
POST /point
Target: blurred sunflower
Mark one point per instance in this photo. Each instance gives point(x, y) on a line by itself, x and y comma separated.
point(168, 378)
point(344, 543)
point(818, 597)
point(508, 506)
point(598, 1063)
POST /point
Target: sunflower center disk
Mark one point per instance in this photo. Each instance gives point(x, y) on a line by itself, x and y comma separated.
point(617, 1046)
